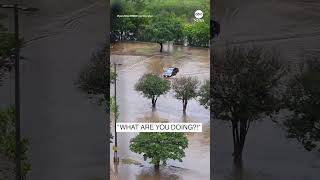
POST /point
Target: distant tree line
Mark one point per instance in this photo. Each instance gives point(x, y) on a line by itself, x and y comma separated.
point(172, 21)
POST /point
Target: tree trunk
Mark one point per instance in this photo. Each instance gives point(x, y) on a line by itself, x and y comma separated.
point(157, 166)
point(184, 103)
point(154, 102)
point(238, 171)
point(161, 46)
point(237, 154)
point(238, 141)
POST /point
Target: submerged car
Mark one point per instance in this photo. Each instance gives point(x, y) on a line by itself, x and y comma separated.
point(171, 71)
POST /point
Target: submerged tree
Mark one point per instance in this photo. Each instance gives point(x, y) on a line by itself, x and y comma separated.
point(303, 99)
point(152, 86)
point(204, 94)
point(160, 146)
point(96, 76)
point(244, 85)
point(185, 88)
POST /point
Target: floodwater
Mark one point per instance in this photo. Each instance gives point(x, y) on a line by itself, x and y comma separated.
point(66, 131)
point(292, 27)
point(140, 58)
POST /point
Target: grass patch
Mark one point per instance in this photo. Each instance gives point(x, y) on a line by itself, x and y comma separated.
point(145, 51)
point(130, 161)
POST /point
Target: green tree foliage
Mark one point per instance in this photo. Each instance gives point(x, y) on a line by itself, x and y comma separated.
point(160, 146)
point(303, 99)
point(204, 94)
point(8, 141)
point(95, 77)
point(152, 86)
point(6, 47)
point(197, 33)
point(172, 21)
point(114, 109)
point(185, 88)
point(244, 85)
point(126, 28)
point(162, 28)
point(7, 44)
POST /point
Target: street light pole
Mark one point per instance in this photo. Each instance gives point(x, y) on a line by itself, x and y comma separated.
point(17, 92)
point(115, 158)
point(16, 9)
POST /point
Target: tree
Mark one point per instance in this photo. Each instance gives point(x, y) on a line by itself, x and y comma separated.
point(198, 33)
point(244, 89)
point(114, 109)
point(7, 45)
point(204, 94)
point(160, 146)
point(126, 28)
point(152, 86)
point(8, 141)
point(95, 79)
point(162, 28)
point(185, 88)
point(303, 99)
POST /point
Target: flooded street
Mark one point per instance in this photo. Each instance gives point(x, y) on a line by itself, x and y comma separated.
point(66, 131)
point(140, 58)
point(293, 28)
point(268, 155)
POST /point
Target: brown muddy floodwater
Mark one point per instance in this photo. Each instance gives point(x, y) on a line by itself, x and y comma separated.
point(140, 58)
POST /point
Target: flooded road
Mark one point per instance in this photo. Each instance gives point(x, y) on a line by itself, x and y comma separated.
point(140, 58)
point(66, 131)
point(293, 28)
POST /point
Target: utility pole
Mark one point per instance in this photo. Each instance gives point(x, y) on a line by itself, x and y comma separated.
point(16, 9)
point(17, 92)
point(115, 158)
point(115, 119)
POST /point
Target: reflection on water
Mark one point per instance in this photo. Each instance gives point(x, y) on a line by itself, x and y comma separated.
point(157, 65)
point(140, 58)
point(165, 173)
point(268, 155)
point(152, 117)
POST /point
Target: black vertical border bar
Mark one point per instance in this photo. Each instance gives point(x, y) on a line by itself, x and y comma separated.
point(212, 17)
point(108, 53)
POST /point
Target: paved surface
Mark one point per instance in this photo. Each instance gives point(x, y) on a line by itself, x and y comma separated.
point(67, 132)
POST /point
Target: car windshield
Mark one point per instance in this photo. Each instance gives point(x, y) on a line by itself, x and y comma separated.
point(169, 70)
